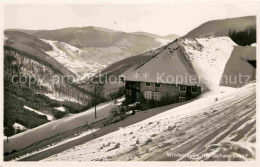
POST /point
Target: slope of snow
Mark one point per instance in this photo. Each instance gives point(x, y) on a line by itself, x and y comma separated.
point(222, 124)
point(44, 131)
point(208, 57)
point(73, 58)
point(49, 117)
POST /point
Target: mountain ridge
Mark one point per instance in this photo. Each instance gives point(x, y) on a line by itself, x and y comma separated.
point(221, 27)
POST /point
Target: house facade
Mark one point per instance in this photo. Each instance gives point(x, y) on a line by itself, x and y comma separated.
point(135, 90)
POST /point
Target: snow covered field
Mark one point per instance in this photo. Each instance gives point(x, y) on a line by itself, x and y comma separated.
point(219, 126)
point(76, 60)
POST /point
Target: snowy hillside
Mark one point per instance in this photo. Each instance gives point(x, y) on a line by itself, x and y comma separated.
point(222, 123)
point(76, 60)
point(208, 57)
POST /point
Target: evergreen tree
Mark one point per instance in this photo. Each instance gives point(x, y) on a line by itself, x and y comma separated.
point(245, 37)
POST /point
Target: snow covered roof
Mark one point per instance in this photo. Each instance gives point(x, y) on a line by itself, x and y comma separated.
point(238, 65)
point(168, 66)
point(189, 59)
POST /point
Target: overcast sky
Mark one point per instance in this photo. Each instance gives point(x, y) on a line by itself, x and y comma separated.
point(161, 19)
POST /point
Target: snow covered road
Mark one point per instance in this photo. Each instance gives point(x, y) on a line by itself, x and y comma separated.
point(31, 136)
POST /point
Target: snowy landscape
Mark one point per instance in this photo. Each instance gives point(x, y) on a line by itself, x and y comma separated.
point(60, 103)
point(212, 127)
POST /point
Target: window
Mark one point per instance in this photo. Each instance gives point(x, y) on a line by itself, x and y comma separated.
point(129, 92)
point(182, 88)
point(157, 96)
point(157, 85)
point(137, 86)
point(148, 94)
point(182, 99)
point(194, 89)
point(148, 84)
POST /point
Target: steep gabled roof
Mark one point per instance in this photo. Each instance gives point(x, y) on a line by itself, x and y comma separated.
point(186, 61)
point(168, 66)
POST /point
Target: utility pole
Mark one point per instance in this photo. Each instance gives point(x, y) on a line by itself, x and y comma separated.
point(96, 94)
point(95, 102)
point(78, 99)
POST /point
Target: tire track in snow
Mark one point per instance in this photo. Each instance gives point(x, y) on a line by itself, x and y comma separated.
point(187, 148)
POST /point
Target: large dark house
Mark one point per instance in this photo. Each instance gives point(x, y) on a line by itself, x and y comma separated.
point(158, 91)
point(165, 76)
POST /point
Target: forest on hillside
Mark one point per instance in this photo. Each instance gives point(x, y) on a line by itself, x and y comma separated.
point(245, 37)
